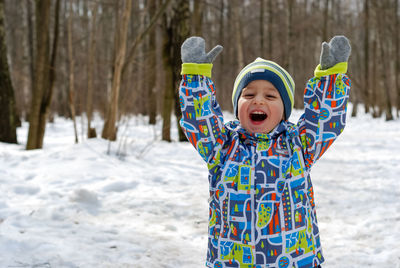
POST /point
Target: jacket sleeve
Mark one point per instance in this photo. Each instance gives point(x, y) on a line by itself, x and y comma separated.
point(202, 119)
point(325, 103)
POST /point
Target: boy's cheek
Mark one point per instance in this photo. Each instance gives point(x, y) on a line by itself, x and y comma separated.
point(240, 109)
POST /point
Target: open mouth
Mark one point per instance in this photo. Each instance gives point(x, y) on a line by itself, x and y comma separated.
point(258, 116)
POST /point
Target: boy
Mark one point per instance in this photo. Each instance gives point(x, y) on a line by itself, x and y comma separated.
point(262, 211)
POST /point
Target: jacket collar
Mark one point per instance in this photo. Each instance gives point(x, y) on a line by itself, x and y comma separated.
point(257, 137)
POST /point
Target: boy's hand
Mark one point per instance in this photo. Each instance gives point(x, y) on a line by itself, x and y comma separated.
point(193, 51)
point(338, 50)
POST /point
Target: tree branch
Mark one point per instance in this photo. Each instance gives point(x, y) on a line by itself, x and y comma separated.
point(141, 35)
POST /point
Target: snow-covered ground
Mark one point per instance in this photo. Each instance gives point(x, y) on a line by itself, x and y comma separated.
point(144, 204)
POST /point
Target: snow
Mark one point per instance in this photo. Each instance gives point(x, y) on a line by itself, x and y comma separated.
point(142, 202)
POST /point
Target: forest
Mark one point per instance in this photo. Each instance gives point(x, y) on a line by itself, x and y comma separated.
point(117, 58)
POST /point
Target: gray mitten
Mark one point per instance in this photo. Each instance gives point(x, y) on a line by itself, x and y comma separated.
point(193, 51)
point(338, 50)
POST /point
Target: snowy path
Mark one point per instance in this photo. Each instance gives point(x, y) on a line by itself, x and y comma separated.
point(75, 206)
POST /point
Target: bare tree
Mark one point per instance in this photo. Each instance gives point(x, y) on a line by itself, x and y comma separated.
point(71, 71)
point(197, 23)
point(91, 132)
point(366, 56)
point(397, 52)
point(142, 34)
point(289, 38)
point(383, 57)
point(287, 31)
point(238, 34)
point(176, 30)
point(376, 110)
point(44, 73)
point(270, 32)
point(8, 115)
point(152, 101)
point(262, 7)
point(168, 98)
point(30, 42)
point(325, 21)
point(110, 129)
point(220, 62)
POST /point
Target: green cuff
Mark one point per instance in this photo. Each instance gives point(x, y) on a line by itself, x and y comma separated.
point(340, 68)
point(197, 68)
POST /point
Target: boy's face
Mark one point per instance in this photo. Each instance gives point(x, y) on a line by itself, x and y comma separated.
point(260, 107)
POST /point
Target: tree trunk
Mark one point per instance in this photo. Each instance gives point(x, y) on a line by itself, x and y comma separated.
point(289, 40)
point(141, 84)
point(238, 34)
point(30, 44)
point(355, 105)
point(397, 53)
point(109, 129)
point(168, 99)
point(325, 21)
point(384, 81)
point(48, 93)
point(41, 71)
point(152, 101)
point(61, 97)
point(376, 106)
point(182, 31)
point(270, 29)
point(388, 102)
point(221, 71)
point(44, 73)
point(262, 4)
point(71, 95)
point(366, 57)
point(197, 23)
point(176, 30)
point(376, 96)
point(8, 120)
point(91, 132)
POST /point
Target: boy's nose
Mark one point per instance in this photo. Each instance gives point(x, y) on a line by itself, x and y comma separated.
point(259, 99)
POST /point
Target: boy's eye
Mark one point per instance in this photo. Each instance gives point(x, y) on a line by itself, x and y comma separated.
point(270, 96)
point(248, 95)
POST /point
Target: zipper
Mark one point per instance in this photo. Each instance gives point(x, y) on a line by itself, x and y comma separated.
point(253, 206)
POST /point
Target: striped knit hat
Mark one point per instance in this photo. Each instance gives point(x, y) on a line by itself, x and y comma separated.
point(261, 69)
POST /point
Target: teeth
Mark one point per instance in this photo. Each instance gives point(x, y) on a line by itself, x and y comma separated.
point(258, 112)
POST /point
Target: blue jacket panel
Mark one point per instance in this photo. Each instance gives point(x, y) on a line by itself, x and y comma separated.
point(262, 211)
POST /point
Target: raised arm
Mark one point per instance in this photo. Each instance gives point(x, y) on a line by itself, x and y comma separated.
point(202, 120)
point(325, 100)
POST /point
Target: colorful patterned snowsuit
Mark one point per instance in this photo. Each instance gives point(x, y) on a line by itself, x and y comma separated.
point(262, 211)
